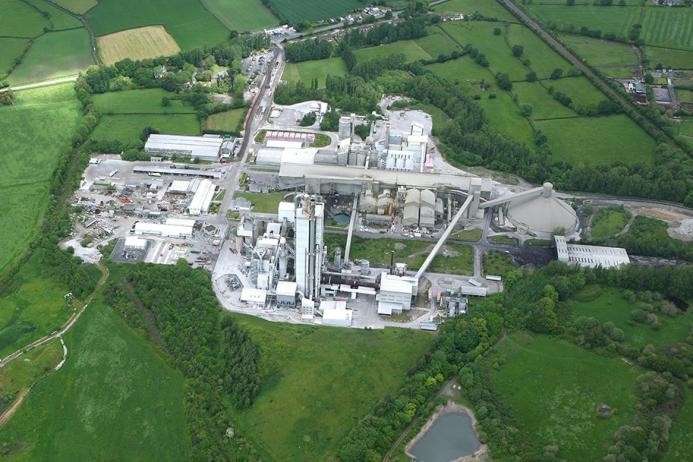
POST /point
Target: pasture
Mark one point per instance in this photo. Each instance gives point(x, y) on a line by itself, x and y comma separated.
point(468, 7)
point(542, 59)
point(306, 371)
point(669, 58)
point(544, 106)
point(35, 130)
point(58, 19)
point(18, 19)
point(77, 6)
point(436, 43)
point(296, 11)
point(463, 72)
point(620, 139)
point(241, 15)
point(226, 121)
point(611, 306)
point(145, 101)
point(504, 116)
point(112, 380)
point(54, 55)
point(319, 69)
point(609, 221)
point(127, 128)
point(136, 44)
point(613, 59)
point(10, 50)
point(580, 90)
point(552, 389)
point(409, 48)
point(190, 24)
point(680, 442)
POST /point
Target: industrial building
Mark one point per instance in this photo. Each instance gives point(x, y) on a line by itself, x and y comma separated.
point(309, 225)
point(207, 147)
point(202, 199)
point(172, 227)
point(590, 256)
point(396, 293)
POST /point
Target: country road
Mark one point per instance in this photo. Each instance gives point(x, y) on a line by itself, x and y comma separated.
point(45, 83)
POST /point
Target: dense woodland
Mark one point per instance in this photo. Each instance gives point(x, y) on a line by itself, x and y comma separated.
point(536, 302)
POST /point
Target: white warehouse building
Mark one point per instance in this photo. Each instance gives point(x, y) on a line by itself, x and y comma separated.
point(590, 256)
point(205, 147)
point(202, 198)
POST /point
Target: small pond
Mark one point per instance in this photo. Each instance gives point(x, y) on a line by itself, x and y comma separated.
point(450, 437)
point(342, 218)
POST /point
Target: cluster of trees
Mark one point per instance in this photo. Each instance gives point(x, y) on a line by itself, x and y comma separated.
point(386, 33)
point(350, 93)
point(175, 307)
point(648, 236)
point(307, 50)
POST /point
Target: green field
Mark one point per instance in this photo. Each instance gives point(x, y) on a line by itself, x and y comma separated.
point(377, 251)
point(680, 442)
point(608, 222)
point(505, 117)
point(319, 69)
point(241, 15)
point(77, 6)
point(685, 96)
point(225, 121)
point(18, 19)
point(497, 263)
point(453, 259)
point(610, 306)
point(486, 8)
point(296, 11)
point(619, 139)
point(544, 106)
point(543, 60)
point(409, 48)
point(319, 381)
point(115, 399)
point(54, 55)
point(262, 202)
point(190, 24)
point(463, 72)
point(552, 389)
point(580, 90)
point(436, 43)
point(128, 128)
point(147, 101)
point(34, 132)
point(613, 59)
point(59, 20)
point(669, 58)
point(10, 50)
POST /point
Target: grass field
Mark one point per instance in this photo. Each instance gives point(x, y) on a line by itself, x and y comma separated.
point(18, 19)
point(301, 412)
point(241, 15)
point(262, 202)
point(580, 90)
point(296, 11)
point(225, 121)
point(115, 399)
point(612, 58)
point(59, 20)
point(136, 44)
point(610, 306)
point(488, 9)
point(609, 221)
point(685, 96)
point(497, 263)
point(411, 50)
point(669, 58)
point(147, 101)
point(34, 132)
point(680, 441)
point(553, 388)
point(505, 117)
point(377, 251)
point(77, 6)
point(318, 69)
point(620, 139)
point(544, 106)
point(543, 60)
point(128, 128)
point(54, 55)
point(453, 259)
point(190, 24)
point(436, 43)
point(463, 72)
point(10, 50)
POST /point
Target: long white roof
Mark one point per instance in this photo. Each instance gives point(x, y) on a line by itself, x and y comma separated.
point(196, 145)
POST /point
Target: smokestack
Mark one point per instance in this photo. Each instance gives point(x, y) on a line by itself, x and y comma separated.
point(392, 262)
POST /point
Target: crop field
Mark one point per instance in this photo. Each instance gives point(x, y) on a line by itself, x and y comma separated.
point(20, 20)
point(59, 20)
point(481, 36)
point(409, 48)
point(34, 132)
point(77, 6)
point(306, 371)
point(505, 117)
point(54, 55)
point(319, 69)
point(608, 222)
point(542, 103)
point(128, 128)
point(542, 59)
point(552, 389)
point(680, 442)
point(488, 9)
point(580, 90)
point(190, 24)
point(112, 380)
point(669, 58)
point(611, 306)
point(10, 50)
point(241, 15)
point(613, 59)
point(147, 101)
point(225, 121)
point(296, 11)
point(137, 44)
point(620, 139)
